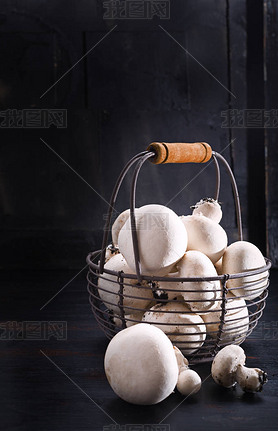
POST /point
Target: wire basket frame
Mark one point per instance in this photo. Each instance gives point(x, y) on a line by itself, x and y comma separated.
point(114, 308)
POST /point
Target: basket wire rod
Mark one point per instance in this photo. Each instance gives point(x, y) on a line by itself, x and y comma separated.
point(235, 191)
point(217, 185)
point(120, 281)
point(142, 160)
point(95, 303)
point(112, 204)
point(223, 312)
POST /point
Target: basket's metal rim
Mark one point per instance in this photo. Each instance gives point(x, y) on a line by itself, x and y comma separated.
point(249, 287)
point(255, 271)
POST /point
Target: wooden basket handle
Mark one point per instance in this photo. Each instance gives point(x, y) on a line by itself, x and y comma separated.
point(180, 152)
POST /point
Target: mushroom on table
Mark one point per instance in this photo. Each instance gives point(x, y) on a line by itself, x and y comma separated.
point(228, 368)
point(141, 365)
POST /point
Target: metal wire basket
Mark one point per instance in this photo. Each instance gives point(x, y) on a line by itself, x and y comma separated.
point(231, 325)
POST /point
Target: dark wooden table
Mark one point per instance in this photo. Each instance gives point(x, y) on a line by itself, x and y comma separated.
point(60, 384)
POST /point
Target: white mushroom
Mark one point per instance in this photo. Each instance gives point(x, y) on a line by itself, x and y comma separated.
point(186, 330)
point(189, 382)
point(205, 235)
point(162, 239)
point(108, 288)
point(118, 224)
point(243, 256)
point(195, 264)
point(208, 207)
point(140, 365)
point(228, 369)
point(236, 320)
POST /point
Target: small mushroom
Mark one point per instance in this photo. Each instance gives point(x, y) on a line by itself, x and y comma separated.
point(205, 235)
point(228, 368)
point(243, 256)
point(141, 365)
point(108, 288)
point(186, 330)
point(195, 264)
point(189, 382)
point(208, 207)
point(236, 320)
point(162, 239)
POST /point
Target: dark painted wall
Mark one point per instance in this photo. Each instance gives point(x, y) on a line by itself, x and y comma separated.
point(147, 80)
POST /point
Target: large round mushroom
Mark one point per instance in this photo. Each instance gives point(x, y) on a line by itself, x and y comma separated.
point(141, 365)
point(162, 239)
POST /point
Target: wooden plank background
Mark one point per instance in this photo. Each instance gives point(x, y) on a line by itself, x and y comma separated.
point(136, 86)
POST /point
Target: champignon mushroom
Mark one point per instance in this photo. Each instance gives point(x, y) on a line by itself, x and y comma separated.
point(195, 264)
point(189, 382)
point(228, 369)
point(141, 365)
point(243, 256)
point(108, 288)
point(236, 320)
point(186, 330)
point(205, 235)
point(208, 207)
point(162, 239)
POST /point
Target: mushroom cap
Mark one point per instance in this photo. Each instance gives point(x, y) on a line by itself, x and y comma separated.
point(205, 235)
point(108, 288)
point(162, 239)
point(195, 264)
point(210, 208)
point(118, 224)
point(225, 363)
point(189, 382)
point(236, 320)
point(186, 330)
point(140, 365)
point(244, 256)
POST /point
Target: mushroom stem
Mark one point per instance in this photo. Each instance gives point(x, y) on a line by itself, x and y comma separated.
point(250, 379)
point(181, 360)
